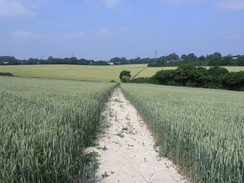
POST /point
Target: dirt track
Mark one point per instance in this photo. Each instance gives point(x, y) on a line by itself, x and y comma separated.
point(126, 148)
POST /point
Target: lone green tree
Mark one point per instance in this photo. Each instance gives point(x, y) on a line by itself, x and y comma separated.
point(125, 76)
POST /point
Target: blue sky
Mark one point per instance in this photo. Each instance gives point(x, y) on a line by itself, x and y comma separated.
point(103, 29)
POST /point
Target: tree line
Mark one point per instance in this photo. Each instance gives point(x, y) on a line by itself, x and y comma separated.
point(192, 76)
point(215, 59)
point(8, 60)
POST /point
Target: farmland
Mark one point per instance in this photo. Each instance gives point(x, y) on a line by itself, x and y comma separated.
point(46, 123)
point(44, 126)
point(148, 72)
point(91, 73)
point(200, 129)
point(72, 72)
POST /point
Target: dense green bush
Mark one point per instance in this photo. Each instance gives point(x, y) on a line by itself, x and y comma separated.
point(6, 74)
point(189, 75)
point(125, 76)
point(141, 80)
point(234, 81)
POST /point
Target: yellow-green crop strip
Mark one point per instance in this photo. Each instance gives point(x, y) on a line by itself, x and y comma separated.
point(44, 126)
point(73, 72)
point(202, 130)
point(86, 72)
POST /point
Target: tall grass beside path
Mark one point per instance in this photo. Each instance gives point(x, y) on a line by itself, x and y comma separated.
point(202, 130)
point(44, 126)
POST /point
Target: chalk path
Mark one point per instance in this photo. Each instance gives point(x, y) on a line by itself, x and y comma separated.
point(126, 148)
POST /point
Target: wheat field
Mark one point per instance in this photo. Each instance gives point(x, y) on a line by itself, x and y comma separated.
point(199, 129)
point(45, 125)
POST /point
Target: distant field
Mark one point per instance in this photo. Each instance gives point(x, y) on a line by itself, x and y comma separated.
point(82, 72)
point(152, 70)
point(234, 68)
point(72, 72)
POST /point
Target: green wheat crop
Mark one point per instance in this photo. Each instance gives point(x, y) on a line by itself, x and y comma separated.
point(202, 130)
point(44, 126)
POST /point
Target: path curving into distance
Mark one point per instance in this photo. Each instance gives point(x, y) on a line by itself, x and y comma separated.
point(126, 148)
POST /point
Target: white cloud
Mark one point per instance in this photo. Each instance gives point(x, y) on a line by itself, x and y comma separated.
point(122, 29)
point(74, 35)
point(182, 1)
point(39, 3)
point(13, 9)
point(233, 37)
point(107, 3)
point(91, 3)
point(103, 32)
point(111, 3)
point(24, 35)
point(230, 5)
